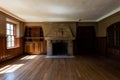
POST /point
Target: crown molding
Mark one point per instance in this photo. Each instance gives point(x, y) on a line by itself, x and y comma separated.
point(10, 14)
point(109, 14)
point(87, 21)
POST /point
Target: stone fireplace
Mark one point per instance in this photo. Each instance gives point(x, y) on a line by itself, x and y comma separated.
point(59, 39)
point(64, 45)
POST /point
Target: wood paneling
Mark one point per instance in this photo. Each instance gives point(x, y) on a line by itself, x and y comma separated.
point(5, 53)
point(113, 40)
point(37, 67)
point(113, 53)
point(101, 45)
point(104, 50)
point(34, 40)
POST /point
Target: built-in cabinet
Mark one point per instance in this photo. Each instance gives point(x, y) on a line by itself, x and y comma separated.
point(34, 40)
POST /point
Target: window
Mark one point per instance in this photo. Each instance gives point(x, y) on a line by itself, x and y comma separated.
point(113, 35)
point(10, 31)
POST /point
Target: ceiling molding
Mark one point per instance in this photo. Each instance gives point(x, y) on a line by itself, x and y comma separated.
point(54, 21)
point(87, 21)
point(109, 14)
point(10, 14)
point(11, 20)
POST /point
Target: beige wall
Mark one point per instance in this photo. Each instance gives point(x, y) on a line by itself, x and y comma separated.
point(22, 29)
point(100, 26)
point(20, 25)
point(49, 26)
point(103, 24)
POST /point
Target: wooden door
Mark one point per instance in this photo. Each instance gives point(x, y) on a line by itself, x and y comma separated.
point(85, 40)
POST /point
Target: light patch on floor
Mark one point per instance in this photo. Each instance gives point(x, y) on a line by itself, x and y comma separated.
point(10, 68)
point(29, 57)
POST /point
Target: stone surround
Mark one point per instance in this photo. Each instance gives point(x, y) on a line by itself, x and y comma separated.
point(69, 41)
point(61, 32)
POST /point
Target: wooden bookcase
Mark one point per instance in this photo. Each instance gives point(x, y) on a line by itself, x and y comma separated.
point(34, 40)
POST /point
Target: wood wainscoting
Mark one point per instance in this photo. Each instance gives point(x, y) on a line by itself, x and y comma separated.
point(5, 53)
point(104, 50)
point(113, 52)
point(101, 45)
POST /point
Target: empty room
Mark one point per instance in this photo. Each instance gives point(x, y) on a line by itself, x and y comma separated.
point(59, 40)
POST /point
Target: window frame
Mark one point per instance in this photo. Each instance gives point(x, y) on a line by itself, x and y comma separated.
point(113, 35)
point(13, 34)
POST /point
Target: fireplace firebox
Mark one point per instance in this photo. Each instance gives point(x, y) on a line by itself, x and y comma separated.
point(60, 48)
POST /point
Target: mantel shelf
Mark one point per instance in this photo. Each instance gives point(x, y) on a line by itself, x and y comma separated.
point(59, 38)
point(34, 37)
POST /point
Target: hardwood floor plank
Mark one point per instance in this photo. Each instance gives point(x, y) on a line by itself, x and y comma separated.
point(37, 67)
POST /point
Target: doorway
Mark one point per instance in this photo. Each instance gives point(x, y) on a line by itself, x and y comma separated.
point(85, 40)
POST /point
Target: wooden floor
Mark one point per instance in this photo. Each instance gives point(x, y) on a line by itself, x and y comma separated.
point(37, 67)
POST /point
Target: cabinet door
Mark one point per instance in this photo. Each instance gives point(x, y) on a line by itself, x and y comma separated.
point(36, 47)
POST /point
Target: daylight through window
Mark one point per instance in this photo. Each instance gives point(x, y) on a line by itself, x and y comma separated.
point(10, 31)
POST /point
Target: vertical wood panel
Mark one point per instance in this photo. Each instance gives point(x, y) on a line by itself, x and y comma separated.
point(35, 47)
point(101, 45)
point(5, 53)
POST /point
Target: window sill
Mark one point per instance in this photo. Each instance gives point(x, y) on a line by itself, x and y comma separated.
point(13, 47)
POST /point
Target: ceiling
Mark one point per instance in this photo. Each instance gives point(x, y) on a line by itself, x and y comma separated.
point(60, 10)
